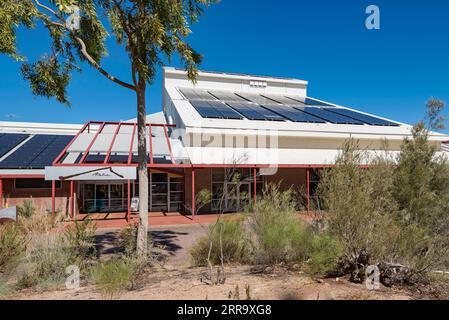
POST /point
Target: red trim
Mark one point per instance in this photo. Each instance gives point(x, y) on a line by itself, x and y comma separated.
point(106, 159)
point(86, 153)
point(128, 212)
point(53, 198)
point(169, 145)
point(255, 186)
point(63, 152)
point(151, 144)
point(1, 192)
point(72, 200)
point(19, 176)
point(130, 155)
point(308, 190)
point(193, 194)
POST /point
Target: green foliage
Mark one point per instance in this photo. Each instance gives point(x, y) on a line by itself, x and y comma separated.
point(47, 78)
point(324, 253)
point(149, 31)
point(80, 238)
point(115, 276)
point(234, 246)
point(358, 203)
point(26, 210)
point(49, 254)
point(278, 235)
point(395, 211)
point(12, 245)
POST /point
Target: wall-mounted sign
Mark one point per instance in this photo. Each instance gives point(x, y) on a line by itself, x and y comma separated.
point(90, 173)
point(134, 204)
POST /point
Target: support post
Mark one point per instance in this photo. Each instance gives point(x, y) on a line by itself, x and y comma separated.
point(53, 198)
point(193, 193)
point(308, 189)
point(72, 200)
point(1, 192)
point(255, 186)
point(128, 213)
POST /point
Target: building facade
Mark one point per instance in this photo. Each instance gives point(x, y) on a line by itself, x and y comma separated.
point(228, 133)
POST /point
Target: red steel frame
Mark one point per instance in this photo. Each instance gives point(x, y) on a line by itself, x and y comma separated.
point(172, 165)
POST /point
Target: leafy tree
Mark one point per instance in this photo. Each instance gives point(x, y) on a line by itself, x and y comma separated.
point(148, 30)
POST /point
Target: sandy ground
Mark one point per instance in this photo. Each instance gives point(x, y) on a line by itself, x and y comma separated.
point(177, 280)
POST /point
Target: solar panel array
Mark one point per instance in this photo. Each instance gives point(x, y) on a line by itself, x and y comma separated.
point(293, 114)
point(218, 104)
point(38, 152)
point(255, 112)
point(362, 117)
point(196, 94)
point(215, 110)
point(10, 141)
point(329, 116)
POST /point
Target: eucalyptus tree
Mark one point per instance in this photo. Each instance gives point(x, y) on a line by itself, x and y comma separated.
point(149, 31)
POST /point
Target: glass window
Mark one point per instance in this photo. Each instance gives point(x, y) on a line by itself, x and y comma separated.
point(35, 184)
point(159, 177)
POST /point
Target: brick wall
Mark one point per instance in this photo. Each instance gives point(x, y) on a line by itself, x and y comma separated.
point(41, 197)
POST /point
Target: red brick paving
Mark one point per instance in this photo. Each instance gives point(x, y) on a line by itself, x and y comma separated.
point(117, 220)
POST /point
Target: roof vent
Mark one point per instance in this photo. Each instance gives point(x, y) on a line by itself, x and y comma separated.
point(257, 84)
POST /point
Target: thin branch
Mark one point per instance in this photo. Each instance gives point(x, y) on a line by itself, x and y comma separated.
point(99, 68)
point(84, 49)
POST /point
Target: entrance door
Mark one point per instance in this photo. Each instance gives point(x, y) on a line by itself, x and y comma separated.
point(159, 192)
point(101, 197)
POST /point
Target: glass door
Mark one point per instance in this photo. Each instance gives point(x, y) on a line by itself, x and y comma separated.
point(159, 192)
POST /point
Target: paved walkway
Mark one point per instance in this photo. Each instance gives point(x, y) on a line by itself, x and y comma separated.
point(117, 220)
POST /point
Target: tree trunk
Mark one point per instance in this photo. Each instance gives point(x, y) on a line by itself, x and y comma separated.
point(142, 232)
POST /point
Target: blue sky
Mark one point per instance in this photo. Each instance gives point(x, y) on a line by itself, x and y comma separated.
point(390, 72)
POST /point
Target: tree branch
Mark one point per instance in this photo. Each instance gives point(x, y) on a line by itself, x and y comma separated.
point(99, 68)
point(84, 49)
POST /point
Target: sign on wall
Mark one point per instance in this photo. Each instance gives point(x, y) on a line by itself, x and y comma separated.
point(90, 173)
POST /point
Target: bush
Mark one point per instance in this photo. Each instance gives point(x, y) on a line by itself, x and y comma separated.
point(324, 253)
point(115, 276)
point(26, 210)
point(49, 254)
point(80, 238)
point(233, 239)
point(12, 245)
point(278, 235)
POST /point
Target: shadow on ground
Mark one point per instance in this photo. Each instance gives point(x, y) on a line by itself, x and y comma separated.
point(162, 239)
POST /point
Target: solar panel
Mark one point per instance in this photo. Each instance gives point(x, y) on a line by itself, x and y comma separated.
point(38, 152)
point(9, 141)
point(284, 100)
point(374, 121)
point(196, 94)
point(227, 96)
point(47, 156)
point(215, 109)
point(329, 116)
point(255, 112)
point(308, 101)
point(256, 98)
point(293, 114)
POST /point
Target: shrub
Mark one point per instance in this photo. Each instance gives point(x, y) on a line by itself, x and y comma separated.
point(324, 253)
point(115, 276)
point(26, 210)
point(233, 239)
point(49, 254)
point(12, 245)
point(80, 238)
point(278, 235)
